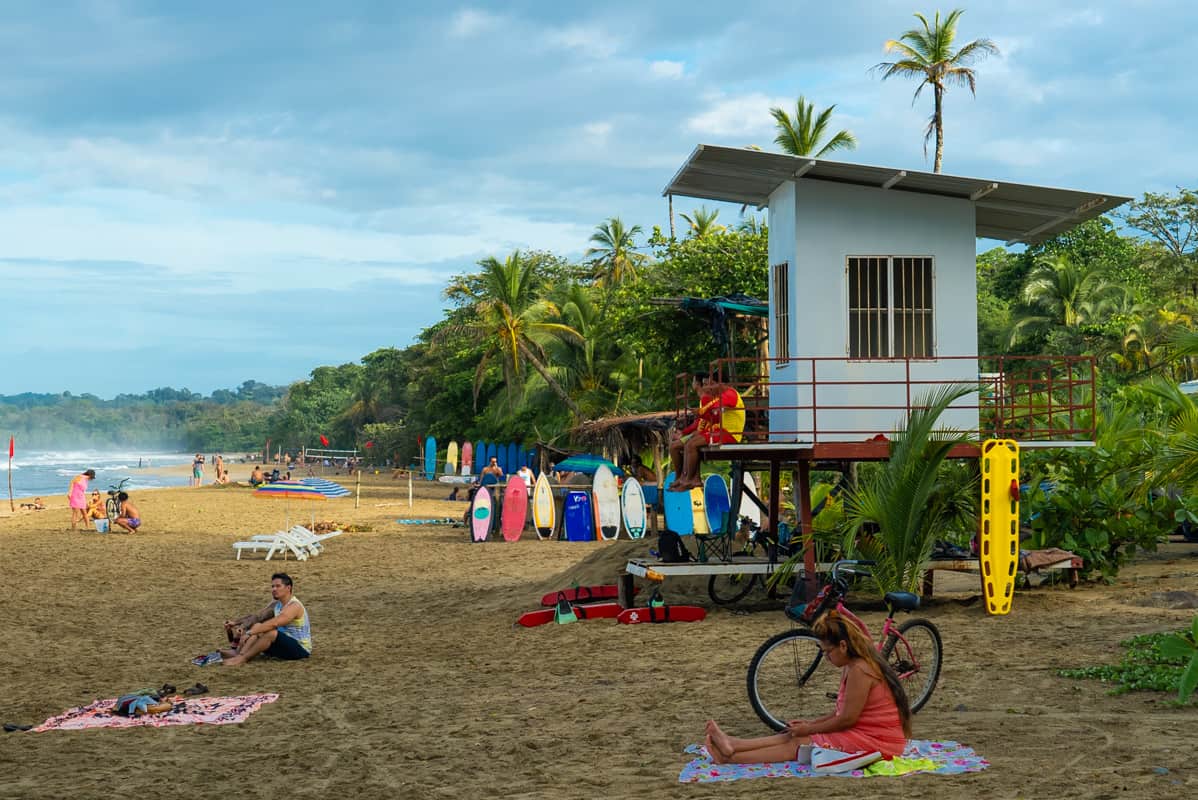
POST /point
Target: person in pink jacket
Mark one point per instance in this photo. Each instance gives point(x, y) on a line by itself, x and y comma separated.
point(872, 719)
point(77, 497)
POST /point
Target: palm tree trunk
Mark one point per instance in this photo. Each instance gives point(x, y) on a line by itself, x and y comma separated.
point(554, 385)
point(671, 215)
point(938, 121)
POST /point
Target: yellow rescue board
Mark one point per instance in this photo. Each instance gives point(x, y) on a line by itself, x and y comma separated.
point(699, 511)
point(999, 539)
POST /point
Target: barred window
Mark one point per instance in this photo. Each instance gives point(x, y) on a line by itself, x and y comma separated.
point(780, 276)
point(890, 307)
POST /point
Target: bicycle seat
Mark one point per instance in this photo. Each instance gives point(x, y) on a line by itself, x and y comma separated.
point(902, 601)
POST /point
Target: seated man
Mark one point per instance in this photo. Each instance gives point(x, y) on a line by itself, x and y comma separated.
point(128, 516)
point(281, 630)
point(256, 477)
point(721, 420)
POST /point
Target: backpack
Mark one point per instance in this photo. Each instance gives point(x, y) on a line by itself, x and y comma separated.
point(670, 548)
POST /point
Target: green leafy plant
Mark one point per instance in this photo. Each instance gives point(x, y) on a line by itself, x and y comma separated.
point(1154, 662)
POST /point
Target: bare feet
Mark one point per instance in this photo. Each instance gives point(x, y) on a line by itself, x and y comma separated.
point(720, 741)
point(235, 661)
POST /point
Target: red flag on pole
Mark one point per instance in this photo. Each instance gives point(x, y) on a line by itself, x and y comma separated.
point(12, 448)
point(324, 440)
point(370, 444)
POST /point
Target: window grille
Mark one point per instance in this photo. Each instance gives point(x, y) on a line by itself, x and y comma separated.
point(890, 307)
point(780, 276)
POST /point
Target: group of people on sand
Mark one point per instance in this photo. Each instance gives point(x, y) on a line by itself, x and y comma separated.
point(84, 510)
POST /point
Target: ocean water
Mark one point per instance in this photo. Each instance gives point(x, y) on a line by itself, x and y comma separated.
point(37, 473)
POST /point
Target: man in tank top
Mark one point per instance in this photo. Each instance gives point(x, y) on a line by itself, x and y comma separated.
point(281, 630)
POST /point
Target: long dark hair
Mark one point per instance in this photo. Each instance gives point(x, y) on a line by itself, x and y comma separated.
point(833, 629)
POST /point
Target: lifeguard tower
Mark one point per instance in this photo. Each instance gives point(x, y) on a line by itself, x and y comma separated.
point(873, 302)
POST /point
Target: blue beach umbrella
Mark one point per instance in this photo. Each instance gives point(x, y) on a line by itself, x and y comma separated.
point(326, 487)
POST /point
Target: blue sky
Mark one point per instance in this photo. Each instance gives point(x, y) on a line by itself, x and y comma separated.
point(194, 195)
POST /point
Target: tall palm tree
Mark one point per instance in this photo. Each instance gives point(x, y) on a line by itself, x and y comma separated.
point(928, 55)
point(803, 134)
point(702, 222)
point(514, 321)
point(614, 256)
point(1058, 292)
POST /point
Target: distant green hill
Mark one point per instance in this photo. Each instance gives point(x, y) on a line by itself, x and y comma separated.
point(165, 418)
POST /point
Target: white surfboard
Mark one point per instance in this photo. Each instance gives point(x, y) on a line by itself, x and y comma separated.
point(632, 501)
point(607, 503)
point(544, 511)
point(747, 507)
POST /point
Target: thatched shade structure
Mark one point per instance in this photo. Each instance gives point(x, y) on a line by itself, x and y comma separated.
point(621, 437)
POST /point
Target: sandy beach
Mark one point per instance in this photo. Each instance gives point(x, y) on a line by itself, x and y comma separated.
point(420, 686)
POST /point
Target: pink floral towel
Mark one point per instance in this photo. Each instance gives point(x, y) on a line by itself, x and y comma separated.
point(187, 711)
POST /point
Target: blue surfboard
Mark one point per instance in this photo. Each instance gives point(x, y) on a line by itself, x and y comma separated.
point(679, 517)
point(430, 458)
point(501, 453)
point(513, 459)
point(480, 456)
point(717, 502)
point(491, 453)
point(579, 521)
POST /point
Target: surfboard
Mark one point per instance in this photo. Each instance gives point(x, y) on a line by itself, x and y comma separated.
point(477, 455)
point(607, 504)
point(513, 457)
point(492, 452)
point(480, 515)
point(458, 479)
point(544, 510)
point(632, 504)
point(698, 511)
point(515, 509)
point(451, 459)
point(430, 458)
point(633, 616)
point(747, 507)
point(583, 594)
point(579, 524)
point(999, 538)
point(717, 503)
point(541, 616)
point(679, 516)
point(467, 458)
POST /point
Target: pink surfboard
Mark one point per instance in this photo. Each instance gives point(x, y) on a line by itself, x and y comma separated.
point(515, 508)
point(480, 515)
point(467, 457)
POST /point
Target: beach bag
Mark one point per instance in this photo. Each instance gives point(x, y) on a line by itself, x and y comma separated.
point(132, 705)
point(670, 548)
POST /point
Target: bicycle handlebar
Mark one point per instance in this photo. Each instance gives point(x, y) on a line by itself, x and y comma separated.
point(848, 563)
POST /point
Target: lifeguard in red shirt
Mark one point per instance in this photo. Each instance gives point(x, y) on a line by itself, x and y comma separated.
point(721, 420)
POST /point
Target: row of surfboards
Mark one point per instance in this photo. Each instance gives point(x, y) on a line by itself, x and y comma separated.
point(598, 514)
point(473, 456)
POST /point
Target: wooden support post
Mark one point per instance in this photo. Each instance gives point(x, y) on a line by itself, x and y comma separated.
point(805, 519)
point(732, 523)
point(625, 590)
point(775, 499)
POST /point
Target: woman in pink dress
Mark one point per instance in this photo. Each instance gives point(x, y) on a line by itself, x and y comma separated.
point(872, 718)
point(77, 497)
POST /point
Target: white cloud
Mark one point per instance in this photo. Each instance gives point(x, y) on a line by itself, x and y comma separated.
point(597, 130)
point(745, 115)
point(667, 69)
point(589, 40)
point(471, 22)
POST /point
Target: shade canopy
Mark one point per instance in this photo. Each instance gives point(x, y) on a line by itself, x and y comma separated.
point(326, 487)
point(1013, 212)
point(586, 464)
point(293, 490)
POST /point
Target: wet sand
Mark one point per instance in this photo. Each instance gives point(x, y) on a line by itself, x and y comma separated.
point(420, 686)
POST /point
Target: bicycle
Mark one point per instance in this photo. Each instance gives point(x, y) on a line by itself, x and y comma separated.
point(725, 589)
point(112, 506)
point(787, 678)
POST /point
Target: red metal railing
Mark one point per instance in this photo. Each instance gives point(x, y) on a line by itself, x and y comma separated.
point(1026, 398)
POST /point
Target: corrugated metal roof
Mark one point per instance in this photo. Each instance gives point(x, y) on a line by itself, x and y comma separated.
point(1013, 212)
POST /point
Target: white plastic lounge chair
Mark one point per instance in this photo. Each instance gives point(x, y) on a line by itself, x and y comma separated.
point(294, 541)
point(281, 542)
point(306, 536)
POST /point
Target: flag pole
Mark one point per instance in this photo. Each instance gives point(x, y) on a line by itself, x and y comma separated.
point(11, 450)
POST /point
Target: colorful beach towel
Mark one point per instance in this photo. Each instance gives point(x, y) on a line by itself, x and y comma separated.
point(935, 758)
point(187, 711)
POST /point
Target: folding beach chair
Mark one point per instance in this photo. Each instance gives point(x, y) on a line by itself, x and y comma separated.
point(281, 542)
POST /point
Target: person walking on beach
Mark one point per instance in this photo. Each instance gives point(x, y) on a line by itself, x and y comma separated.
point(77, 497)
point(128, 517)
point(197, 470)
point(281, 630)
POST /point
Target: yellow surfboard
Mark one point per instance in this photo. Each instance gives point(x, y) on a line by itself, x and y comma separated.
point(699, 511)
point(999, 539)
point(451, 459)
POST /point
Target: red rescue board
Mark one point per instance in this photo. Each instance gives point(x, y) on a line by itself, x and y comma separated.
point(542, 616)
point(632, 616)
point(583, 594)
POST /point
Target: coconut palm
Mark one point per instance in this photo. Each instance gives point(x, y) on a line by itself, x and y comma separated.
point(614, 256)
point(514, 321)
point(804, 133)
point(702, 222)
point(908, 501)
point(1059, 293)
point(927, 54)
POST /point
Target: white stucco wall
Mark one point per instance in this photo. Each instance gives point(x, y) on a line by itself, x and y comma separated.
point(816, 226)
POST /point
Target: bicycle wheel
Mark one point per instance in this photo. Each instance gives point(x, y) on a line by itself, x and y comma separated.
point(112, 509)
point(914, 653)
point(790, 679)
point(727, 589)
